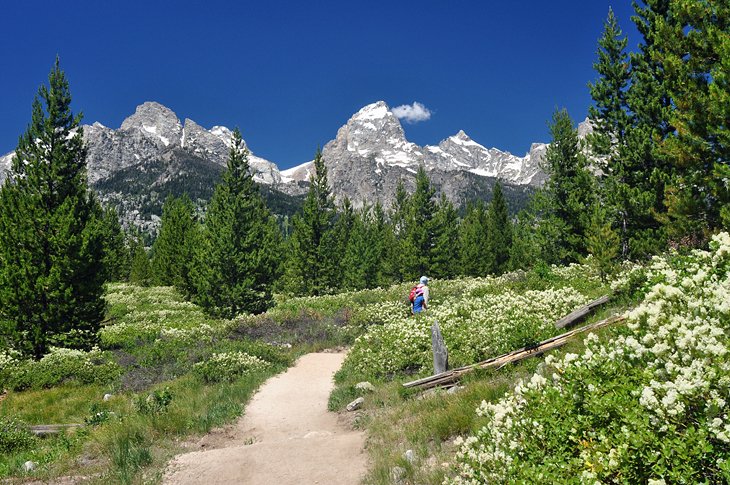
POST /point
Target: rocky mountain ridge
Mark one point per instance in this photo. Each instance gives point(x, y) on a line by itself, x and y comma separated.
point(153, 154)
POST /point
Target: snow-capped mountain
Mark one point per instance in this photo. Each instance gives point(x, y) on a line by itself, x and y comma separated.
point(153, 154)
point(371, 153)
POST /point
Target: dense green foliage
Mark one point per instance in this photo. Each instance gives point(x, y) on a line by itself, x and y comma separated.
point(569, 192)
point(660, 119)
point(52, 247)
point(239, 252)
point(175, 245)
point(313, 246)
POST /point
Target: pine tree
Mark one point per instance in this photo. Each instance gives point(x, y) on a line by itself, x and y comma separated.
point(380, 231)
point(241, 256)
point(499, 232)
point(312, 243)
point(421, 234)
point(445, 253)
point(361, 264)
point(569, 189)
point(695, 48)
point(172, 251)
point(603, 242)
point(338, 240)
point(475, 258)
point(609, 114)
point(140, 271)
point(398, 252)
point(612, 121)
point(525, 251)
point(51, 239)
point(647, 170)
point(116, 254)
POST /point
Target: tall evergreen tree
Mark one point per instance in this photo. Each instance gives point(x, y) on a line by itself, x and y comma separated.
point(312, 244)
point(695, 52)
point(475, 258)
point(626, 204)
point(117, 254)
point(421, 234)
point(51, 240)
point(445, 251)
point(172, 252)
point(524, 251)
point(609, 114)
point(362, 261)
point(241, 258)
point(499, 231)
point(648, 170)
point(398, 251)
point(570, 187)
point(140, 271)
point(337, 241)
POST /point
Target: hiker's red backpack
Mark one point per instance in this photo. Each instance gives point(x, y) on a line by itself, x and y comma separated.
point(414, 293)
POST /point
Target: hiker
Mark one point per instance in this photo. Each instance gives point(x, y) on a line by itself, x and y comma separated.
point(420, 296)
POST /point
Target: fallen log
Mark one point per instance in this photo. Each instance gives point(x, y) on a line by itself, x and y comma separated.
point(453, 376)
point(46, 429)
point(576, 315)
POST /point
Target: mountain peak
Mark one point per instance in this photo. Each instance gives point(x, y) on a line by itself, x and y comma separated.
point(155, 121)
point(462, 136)
point(374, 111)
point(149, 110)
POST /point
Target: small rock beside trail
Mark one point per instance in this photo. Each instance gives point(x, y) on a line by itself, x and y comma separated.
point(409, 456)
point(397, 474)
point(28, 466)
point(365, 386)
point(355, 404)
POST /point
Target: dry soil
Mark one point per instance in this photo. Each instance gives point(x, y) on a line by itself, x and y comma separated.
point(285, 437)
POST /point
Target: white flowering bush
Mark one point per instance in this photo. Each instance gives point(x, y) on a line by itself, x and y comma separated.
point(480, 318)
point(228, 366)
point(648, 405)
point(142, 315)
point(14, 435)
point(58, 366)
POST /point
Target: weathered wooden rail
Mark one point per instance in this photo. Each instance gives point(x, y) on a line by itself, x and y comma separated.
point(451, 377)
point(47, 429)
point(576, 315)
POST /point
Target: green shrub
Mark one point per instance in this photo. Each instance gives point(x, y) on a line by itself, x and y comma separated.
point(155, 403)
point(14, 436)
point(228, 366)
point(59, 366)
point(97, 415)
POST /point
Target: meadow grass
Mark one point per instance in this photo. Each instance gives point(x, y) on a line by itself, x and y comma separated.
point(158, 340)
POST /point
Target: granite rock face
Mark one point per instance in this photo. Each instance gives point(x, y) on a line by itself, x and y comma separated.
point(370, 154)
point(154, 154)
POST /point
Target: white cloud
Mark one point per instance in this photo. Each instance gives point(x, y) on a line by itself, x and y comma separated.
point(412, 113)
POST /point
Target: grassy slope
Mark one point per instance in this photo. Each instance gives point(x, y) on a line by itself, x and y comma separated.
point(132, 447)
point(156, 337)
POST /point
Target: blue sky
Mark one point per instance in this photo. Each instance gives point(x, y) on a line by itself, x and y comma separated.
point(290, 73)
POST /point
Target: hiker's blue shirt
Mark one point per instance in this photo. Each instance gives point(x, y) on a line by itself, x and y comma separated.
point(418, 304)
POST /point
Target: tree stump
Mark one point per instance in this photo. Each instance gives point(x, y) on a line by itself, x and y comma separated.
point(440, 352)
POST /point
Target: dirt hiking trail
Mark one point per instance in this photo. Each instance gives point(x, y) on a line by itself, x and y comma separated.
point(285, 437)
